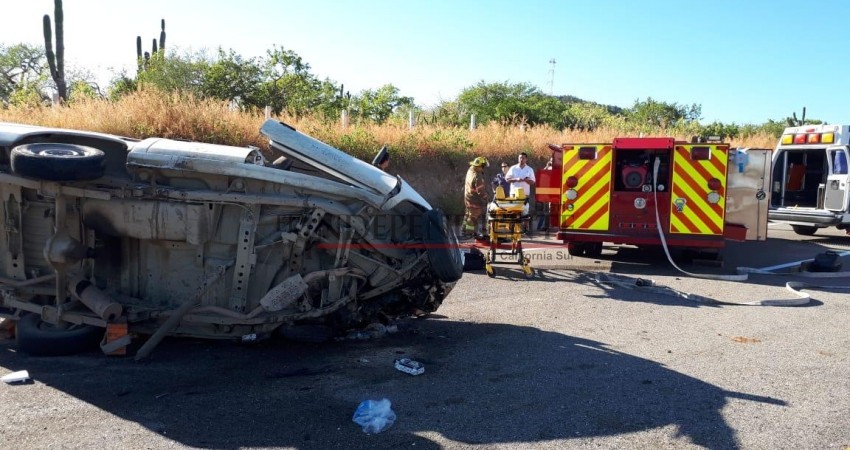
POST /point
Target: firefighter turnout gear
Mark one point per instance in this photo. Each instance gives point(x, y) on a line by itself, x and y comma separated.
point(475, 196)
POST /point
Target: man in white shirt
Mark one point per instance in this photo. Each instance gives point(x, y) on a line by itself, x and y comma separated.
point(521, 175)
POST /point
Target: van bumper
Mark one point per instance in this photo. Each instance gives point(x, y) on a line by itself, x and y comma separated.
point(817, 217)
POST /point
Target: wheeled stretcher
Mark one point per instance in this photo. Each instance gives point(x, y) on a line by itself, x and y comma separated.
point(506, 219)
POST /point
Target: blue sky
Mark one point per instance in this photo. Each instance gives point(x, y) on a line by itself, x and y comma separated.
point(744, 61)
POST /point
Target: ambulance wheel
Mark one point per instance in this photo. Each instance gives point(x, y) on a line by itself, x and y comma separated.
point(804, 230)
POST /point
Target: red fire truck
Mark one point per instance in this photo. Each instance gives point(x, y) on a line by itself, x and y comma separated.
point(630, 191)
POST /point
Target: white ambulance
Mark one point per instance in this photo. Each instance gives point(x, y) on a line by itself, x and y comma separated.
point(810, 178)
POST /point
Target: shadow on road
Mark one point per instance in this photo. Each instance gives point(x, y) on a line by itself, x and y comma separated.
point(484, 384)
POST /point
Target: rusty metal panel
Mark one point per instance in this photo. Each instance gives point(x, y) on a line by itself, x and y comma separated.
point(748, 196)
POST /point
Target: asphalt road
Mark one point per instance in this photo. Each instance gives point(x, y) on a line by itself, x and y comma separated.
point(557, 361)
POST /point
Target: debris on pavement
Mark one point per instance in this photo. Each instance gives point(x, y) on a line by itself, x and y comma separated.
point(410, 366)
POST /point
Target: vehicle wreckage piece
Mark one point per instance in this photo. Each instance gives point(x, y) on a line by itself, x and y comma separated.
point(191, 239)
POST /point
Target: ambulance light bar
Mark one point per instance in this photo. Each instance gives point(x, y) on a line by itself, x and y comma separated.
point(808, 138)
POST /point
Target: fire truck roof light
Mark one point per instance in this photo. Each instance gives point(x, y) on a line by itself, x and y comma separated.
point(700, 153)
point(827, 138)
point(787, 139)
point(587, 153)
point(799, 138)
point(813, 138)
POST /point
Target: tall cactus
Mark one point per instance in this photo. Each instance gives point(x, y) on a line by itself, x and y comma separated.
point(143, 63)
point(162, 36)
point(139, 52)
point(56, 61)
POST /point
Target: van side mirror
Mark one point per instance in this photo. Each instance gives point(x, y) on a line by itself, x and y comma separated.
point(381, 158)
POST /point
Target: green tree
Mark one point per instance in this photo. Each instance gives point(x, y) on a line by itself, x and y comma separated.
point(121, 85)
point(175, 72)
point(660, 114)
point(29, 94)
point(330, 99)
point(378, 105)
point(287, 83)
point(232, 77)
point(512, 103)
point(22, 66)
point(724, 131)
point(81, 89)
point(585, 116)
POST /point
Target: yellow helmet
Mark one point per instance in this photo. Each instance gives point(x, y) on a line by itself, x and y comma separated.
point(480, 161)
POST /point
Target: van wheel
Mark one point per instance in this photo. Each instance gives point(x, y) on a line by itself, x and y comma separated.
point(58, 161)
point(310, 333)
point(40, 338)
point(804, 230)
point(442, 248)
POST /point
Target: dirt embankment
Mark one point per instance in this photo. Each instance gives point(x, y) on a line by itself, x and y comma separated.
point(440, 181)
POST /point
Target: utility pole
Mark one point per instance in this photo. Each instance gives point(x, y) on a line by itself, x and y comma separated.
point(552, 76)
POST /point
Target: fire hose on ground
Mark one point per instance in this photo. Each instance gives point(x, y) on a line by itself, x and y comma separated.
point(794, 287)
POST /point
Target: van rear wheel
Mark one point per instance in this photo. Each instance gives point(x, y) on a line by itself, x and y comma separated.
point(804, 230)
point(56, 161)
point(40, 338)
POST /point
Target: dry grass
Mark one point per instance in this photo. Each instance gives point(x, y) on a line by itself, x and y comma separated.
point(419, 155)
point(151, 113)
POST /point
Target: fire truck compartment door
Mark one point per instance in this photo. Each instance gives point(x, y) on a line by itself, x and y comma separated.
point(747, 190)
point(694, 207)
point(836, 188)
point(587, 205)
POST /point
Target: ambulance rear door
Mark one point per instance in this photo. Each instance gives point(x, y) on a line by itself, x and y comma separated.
point(836, 187)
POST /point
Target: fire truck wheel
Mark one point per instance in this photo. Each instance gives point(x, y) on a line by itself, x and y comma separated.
point(40, 338)
point(804, 230)
point(593, 250)
point(442, 249)
point(575, 249)
point(58, 161)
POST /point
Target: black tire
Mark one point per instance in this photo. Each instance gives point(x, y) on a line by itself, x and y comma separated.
point(42, 339)
point(574, 249)
point(58, 162)
point(593, 250)
point(442, 248)
point(804, 230)
point(310, 333)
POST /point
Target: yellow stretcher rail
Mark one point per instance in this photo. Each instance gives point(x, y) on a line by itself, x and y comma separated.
point(505, 219)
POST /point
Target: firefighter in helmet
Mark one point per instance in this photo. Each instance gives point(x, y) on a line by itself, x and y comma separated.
point(475, 196)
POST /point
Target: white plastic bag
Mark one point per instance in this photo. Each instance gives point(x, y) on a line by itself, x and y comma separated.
point(374, 415)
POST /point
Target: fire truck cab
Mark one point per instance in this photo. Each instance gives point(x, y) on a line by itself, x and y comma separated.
point(811, 187)
point(632, 190)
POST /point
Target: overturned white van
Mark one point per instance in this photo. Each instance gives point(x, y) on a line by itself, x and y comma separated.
point(160, 237)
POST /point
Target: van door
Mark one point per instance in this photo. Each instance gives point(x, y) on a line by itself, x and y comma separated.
point(836, 188)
